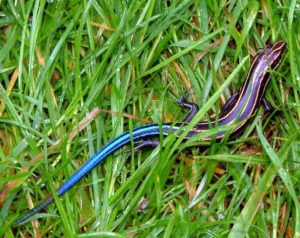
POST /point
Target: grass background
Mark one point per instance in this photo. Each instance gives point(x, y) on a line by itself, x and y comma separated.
point(74, 74)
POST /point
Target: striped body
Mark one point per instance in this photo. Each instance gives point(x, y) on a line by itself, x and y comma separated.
point(238, 111)
point(251, 93)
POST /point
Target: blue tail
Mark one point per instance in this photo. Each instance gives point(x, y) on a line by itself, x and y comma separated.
point(138, 133)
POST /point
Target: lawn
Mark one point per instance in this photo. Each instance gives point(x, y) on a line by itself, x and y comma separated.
point(76, 74)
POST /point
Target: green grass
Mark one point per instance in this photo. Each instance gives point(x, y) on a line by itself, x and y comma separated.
point(75, 74)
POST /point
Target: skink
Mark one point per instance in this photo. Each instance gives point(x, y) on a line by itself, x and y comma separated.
point(237, 110)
